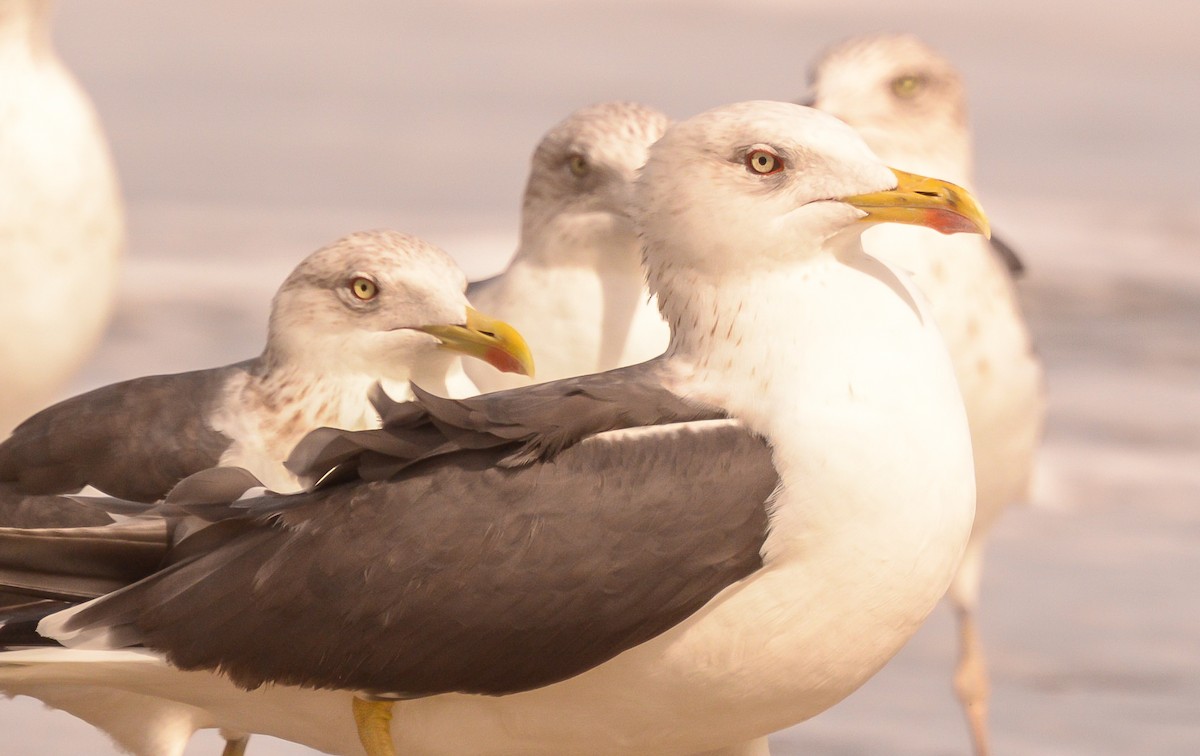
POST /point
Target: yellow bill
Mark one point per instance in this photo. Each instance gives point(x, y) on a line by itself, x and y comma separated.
point(493, 341)
point(923, 201)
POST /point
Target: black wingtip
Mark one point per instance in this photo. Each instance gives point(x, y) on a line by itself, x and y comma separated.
point(19, 620)
point(1012, 261)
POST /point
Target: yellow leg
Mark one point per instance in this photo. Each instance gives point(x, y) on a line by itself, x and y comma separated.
point(374, 721)
point(235, 746)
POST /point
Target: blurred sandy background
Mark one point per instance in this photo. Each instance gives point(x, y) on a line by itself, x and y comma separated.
point(249, 134)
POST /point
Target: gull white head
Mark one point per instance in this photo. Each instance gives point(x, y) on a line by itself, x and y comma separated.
point(748, 188)
point(581, 177)
point(754, 175)
point(386, 304)
point(907, 101)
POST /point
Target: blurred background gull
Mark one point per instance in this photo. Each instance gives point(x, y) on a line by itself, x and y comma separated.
point(247, 131)
point(62, 228)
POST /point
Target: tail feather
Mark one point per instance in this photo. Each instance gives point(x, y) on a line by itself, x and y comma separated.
point(19, 621)
point(80, 563)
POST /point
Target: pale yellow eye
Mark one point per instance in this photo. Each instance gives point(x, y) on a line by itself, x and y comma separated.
point(578, 165)
point(907, 86)
point(364, 289)
point(763, 162)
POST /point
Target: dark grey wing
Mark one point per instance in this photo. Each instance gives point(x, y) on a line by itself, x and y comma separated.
point(19, 510)
point(133, 440)
point(534, 422)
point(464, 576)
point(1012, 261)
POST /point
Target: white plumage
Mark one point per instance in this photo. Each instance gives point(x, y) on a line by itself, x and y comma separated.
point(575, 287)
point(62, 226)
point(909, 104)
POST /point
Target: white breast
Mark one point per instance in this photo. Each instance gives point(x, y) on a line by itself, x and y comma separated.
point(975, 305)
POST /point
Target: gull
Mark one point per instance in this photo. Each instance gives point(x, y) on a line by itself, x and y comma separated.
point(372, 306)
point(666, 558)
point(575, 287)
point(62, 225)
point(909, 104)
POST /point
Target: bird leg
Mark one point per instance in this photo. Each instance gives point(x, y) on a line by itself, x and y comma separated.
point(971, 681)
point(970, 677)
point(374, 722)
point(236, 746)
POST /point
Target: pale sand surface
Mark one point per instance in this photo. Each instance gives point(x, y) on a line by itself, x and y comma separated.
point(249, 136)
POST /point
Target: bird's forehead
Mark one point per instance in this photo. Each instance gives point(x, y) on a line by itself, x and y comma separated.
point(613, 131)
point(726, 132)
point(387, 256)
point(868, 60)
point(825, 157)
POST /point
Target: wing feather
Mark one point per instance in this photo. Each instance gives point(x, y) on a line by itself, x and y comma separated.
point(133, 440)
point(446, 578)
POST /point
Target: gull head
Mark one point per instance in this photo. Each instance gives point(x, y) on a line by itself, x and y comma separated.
point(384, 304)
point(750, 187)
point(582, 174)
point(907, 101)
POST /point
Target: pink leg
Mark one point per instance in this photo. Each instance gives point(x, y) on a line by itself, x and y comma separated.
point(971, 678)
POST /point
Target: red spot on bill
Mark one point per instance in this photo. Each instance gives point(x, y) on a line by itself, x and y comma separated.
point(503, 361)
point(948, 222)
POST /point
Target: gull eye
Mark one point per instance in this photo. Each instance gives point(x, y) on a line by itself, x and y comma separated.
point(578, 165)
point(364, 289)
point(907, 86)
point(763, 162)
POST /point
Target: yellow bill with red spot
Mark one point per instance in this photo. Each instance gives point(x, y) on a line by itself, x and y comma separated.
point(495, 342)
point(923, 201)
